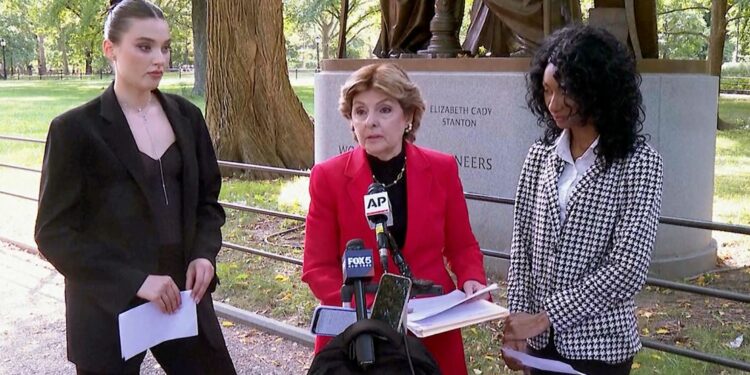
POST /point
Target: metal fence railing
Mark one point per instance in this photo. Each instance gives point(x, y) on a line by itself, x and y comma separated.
point(652, 281)
point(735, 85)
point(59, 75)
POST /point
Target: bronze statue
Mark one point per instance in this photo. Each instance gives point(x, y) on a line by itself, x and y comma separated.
point(507, 27)
point(640, 20)
point(405, 25)
point(516, 27)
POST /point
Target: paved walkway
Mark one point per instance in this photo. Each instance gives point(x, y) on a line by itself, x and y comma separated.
point(32, 327)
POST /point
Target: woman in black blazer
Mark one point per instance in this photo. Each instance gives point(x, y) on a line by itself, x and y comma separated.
point(128, 207)
point(587, 208)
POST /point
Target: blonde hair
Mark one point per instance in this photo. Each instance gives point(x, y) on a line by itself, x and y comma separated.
point(392, 81)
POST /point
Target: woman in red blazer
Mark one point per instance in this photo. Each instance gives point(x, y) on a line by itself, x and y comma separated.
point(431, 221)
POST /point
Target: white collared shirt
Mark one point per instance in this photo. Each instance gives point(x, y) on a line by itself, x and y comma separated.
point(573, 170)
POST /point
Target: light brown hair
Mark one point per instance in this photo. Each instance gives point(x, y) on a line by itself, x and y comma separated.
point(392, 81)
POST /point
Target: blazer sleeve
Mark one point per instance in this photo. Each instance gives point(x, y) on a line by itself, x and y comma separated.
point(321, 265)
point(624, 270)
point(461, 247)
point(210, 215)
point(100, 269)
point(519, 274)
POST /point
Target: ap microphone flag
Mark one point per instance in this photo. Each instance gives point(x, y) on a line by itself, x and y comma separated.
point(378, 206)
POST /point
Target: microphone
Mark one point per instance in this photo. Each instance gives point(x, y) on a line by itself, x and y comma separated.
point(358, 269)
point(379, 215)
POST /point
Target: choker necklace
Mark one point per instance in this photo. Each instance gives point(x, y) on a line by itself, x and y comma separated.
point(398, 177)
point(143, 112)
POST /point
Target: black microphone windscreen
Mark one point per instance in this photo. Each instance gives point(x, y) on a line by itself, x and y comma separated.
point(355, 244)
point(375, 187)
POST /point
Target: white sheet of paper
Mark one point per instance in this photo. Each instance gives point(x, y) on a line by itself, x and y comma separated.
point(146, 326)
point(540, 363)
point(422, 308)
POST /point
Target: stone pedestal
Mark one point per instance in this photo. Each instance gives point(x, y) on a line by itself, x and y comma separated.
point(476, 110)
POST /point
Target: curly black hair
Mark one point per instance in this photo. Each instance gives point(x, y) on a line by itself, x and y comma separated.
point(598, 73)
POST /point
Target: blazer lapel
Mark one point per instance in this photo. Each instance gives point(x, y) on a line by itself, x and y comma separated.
point(419, 180)
point(551, 174)
point(360, 177)
point(118, 136)
point(585, 184)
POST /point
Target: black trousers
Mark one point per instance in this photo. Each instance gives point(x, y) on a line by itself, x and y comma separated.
point(588, 367)
point(191, 355)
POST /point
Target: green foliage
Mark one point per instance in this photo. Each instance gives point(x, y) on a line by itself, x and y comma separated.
point(684, 27)
point(73, 29)
point(304, 20)
point(730, 69)
point(14, 28)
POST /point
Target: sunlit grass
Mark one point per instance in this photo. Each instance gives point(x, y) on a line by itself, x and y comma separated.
point(734, 109)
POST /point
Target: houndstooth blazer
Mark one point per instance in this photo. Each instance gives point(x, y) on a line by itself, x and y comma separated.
point(585, 272)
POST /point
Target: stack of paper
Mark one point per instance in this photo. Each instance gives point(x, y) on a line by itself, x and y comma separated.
point(433, 315)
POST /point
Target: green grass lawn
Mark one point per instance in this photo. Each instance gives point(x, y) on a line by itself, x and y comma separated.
point(273, 288)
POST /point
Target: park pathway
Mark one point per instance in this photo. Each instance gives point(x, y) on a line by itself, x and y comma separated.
point(32, 327)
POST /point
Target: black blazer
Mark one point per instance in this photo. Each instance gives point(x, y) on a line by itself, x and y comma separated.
point(96, 227)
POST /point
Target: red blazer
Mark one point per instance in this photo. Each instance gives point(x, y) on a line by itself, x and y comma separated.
point(438, 232)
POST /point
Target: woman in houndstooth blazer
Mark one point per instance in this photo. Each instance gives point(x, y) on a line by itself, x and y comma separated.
point(587, 207)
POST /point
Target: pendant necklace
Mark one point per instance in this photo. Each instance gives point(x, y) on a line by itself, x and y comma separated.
point(143, 112)
point(398, 177)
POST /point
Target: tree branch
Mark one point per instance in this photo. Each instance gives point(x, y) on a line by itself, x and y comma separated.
point(692, 33)
point(357, 22)
point(683, 9)
point(74, 11)
point(354, 35)
point(737, 18)
point(361, 19)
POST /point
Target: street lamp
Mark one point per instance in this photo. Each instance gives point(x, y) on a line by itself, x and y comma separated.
point(5, 69)
point(317, 52)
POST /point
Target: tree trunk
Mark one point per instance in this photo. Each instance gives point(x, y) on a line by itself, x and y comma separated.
point(716, 45)
point(717, 37)
point(199, 45)
point(343, 21)
point(41, 55)
point(326, 29)
point(88, 58)
point(253, 114)
point(64, 53)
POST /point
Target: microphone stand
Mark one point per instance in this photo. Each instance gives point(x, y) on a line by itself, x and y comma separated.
point(383, 238)
point(347, 291)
